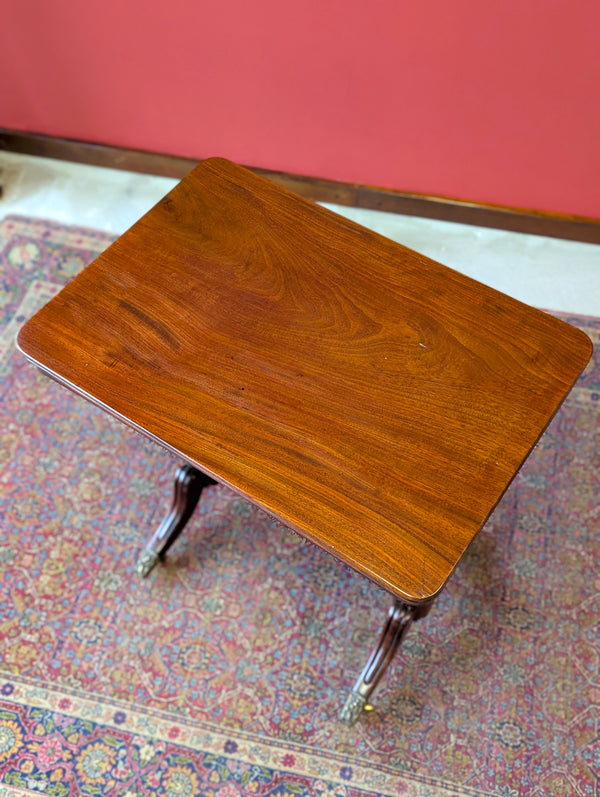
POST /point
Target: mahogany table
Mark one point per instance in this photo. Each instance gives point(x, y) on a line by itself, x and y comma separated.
point(375, 401)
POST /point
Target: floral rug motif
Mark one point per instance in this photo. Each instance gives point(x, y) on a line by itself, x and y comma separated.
point(224, 672)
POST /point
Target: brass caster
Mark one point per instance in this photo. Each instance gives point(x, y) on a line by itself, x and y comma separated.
point(353, 708)
point(146, 562)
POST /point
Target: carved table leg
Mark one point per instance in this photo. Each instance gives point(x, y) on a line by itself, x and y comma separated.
point(400, 618)
point(189, 483)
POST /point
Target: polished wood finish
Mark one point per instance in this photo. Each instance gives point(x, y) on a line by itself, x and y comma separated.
point(374, 400)
point(557, 225)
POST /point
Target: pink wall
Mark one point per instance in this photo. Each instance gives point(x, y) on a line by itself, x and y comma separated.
point(488, 100)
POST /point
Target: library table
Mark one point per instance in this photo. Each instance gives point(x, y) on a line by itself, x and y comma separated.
point(374, 401)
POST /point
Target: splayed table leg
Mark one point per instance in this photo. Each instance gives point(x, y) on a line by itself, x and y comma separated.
point(189, 483)
point(400, 618)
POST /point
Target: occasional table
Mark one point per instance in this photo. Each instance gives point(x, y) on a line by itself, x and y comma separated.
point(371, 399)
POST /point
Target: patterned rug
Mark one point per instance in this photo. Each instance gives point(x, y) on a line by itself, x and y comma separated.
point(223, 673)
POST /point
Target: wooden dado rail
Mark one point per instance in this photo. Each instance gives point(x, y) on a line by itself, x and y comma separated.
point(556, 225)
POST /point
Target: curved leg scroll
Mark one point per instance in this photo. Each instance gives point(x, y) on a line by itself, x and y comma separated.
point(399, 620)
point(189, 483)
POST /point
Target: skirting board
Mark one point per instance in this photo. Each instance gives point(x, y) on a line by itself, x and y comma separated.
point(556, 225)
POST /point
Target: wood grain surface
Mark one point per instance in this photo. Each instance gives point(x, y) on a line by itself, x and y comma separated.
point(375, 401)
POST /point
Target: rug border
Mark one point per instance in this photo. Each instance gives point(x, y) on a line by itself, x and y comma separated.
point(198, 735)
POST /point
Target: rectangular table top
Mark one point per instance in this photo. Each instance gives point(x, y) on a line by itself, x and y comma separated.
point(372, 399)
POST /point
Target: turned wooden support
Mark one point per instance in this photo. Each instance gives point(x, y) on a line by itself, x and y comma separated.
point(189, 483)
